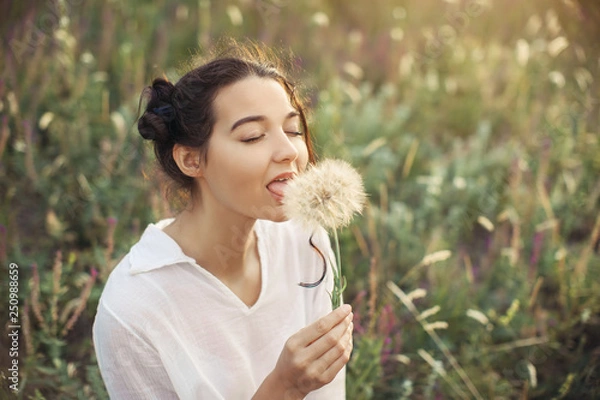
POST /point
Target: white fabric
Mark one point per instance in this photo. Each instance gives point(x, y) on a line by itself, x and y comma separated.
point(167, 329)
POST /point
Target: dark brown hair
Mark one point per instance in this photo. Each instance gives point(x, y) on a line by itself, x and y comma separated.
point(183, 112)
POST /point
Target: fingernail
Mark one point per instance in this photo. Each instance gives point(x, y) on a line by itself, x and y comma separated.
point(347, 308)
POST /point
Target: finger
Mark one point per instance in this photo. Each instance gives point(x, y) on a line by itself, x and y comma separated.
point(343, 359)
point(323, 325)
point(338, 364)
point(339, 359)
point(343, 346)
point(331, 340)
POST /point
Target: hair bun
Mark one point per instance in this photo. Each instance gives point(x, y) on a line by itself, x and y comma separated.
point(165, 112)
point(163, 90)
point(154, 123)
point(151, 127)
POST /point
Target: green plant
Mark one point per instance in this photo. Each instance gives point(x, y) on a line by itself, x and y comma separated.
point(476, 136)
point(54, 366)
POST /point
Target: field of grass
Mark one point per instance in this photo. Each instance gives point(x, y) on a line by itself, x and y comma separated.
point(474, 272)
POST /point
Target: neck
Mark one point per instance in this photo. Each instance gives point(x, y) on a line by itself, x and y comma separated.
point(219, 242)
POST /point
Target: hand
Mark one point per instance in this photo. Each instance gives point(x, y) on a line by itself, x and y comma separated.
point(313, 357)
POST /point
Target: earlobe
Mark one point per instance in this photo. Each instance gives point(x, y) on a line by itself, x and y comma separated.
point(188, 159)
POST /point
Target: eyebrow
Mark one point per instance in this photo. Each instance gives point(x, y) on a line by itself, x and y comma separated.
point(260, 118)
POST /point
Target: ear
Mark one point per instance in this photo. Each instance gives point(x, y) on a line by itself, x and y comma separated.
point(188, 159)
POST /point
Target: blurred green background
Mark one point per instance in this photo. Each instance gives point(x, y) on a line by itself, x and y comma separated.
point(474, 271)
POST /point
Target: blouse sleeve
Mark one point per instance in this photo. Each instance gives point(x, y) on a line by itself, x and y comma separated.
point(130, 367)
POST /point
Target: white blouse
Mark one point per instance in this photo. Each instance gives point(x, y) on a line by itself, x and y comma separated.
point(166, 328)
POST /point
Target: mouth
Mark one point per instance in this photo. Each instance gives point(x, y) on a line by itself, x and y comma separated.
point(277, 186)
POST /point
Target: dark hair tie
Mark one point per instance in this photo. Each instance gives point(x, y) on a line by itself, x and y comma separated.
point(167, 113)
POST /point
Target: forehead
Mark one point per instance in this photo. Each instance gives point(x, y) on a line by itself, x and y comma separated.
point(252, 96)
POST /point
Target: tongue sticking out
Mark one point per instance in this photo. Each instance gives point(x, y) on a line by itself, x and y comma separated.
point(277, 187)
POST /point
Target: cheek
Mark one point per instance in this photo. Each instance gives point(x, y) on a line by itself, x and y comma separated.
point(225, 167)
point(302, 160)
point(236, 170)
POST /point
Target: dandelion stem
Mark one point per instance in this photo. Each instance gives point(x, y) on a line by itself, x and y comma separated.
point(336, 298)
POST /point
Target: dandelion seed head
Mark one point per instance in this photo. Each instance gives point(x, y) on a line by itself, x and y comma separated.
point(328, 195)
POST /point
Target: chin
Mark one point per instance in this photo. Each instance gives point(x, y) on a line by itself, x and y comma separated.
point(283, 218)
point(277, 217)
point(270, 213)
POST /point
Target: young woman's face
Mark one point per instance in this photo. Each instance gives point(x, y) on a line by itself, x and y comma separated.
point(256, 145)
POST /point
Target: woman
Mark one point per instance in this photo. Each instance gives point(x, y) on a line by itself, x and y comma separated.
point(207, 305)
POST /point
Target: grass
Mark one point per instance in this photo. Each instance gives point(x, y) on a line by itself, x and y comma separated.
point(477, 138)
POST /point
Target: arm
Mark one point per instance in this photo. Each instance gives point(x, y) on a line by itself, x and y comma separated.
point(311, 358)
point(130, 367)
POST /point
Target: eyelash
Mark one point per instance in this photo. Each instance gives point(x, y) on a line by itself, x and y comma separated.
point(252, 139)
point(256, 138)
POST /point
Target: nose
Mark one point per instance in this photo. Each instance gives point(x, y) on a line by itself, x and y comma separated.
point(284, 149)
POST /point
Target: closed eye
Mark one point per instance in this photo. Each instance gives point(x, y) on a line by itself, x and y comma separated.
point(253, 139)
point(259, 137)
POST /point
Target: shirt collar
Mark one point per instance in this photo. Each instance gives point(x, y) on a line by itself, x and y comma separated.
point(155, 250)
